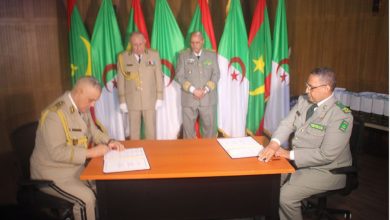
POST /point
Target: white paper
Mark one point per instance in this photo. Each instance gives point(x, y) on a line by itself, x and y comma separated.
point(240, 147)
point(126, 160)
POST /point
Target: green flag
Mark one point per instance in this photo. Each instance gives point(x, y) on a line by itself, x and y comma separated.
point(168, 40)
point(79, 44)
point(233, 85)
point(260, 54)
point(106, 45)
point(201, 21)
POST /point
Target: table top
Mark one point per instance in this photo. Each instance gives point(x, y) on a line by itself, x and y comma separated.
point(188, 159)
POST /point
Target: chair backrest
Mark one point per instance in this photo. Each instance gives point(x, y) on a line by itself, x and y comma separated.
point(23, 142)
point(355, 143)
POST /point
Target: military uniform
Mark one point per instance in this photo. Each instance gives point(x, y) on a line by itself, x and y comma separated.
point(202, 72)
point(140, 84)
point(320, 144)
point(60, 153)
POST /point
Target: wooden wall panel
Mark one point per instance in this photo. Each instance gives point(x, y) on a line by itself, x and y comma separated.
point(343, 34)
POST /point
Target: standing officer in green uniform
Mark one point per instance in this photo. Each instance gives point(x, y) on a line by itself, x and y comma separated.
point(322, 127)
point(198, 74)
point(61, 146)
point(140, 86)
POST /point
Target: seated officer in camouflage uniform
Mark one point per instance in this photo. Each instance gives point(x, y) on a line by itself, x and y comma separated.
point(61, 146)
point(322, 127)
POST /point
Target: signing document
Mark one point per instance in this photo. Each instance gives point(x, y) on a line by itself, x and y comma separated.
point(126, 160)
point(241, 147)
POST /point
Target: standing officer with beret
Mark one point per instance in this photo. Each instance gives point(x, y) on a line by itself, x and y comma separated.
point(61, 146)
point(322, 127)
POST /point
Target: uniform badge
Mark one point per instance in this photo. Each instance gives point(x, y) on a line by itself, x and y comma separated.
point(207, 62)
point(129, 64)
point(190, 61)
point(151, 63)
point(343, 125)
point(317, 126)
point(72, 109)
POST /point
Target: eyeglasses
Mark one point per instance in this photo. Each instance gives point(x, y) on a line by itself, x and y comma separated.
point(310, 87)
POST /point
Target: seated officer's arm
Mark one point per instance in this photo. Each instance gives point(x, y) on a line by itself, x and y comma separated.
point(54, 139)
point(333, 143)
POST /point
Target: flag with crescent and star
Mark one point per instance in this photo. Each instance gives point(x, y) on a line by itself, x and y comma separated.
point(106, 44)
point(260, 55)
point(79, 44)
point(233, 86)
point(201, 21)
point(136, 23)
point(168, 40)
point(278, 103)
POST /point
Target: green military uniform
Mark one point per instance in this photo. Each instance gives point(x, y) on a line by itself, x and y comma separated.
point(60, 152)
point(140, 84)
point(202, 72)
point(320, 144)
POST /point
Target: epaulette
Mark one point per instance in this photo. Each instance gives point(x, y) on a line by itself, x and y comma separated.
point(56, 106)
point(343, 108)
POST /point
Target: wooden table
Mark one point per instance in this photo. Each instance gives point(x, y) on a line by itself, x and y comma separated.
point(189, 179)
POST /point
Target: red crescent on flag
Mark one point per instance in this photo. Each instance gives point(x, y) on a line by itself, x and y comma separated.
point(239, 61)
point(284, 61)
point(107, 69)
point(171, 69)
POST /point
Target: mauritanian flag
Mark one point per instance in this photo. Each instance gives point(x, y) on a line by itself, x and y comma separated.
point(136, 23)
point(106, 44)
point(260, 54)
point(79, 44)
point(278, 104)
point(201, 21)
point(168, 40)
point(233, 86)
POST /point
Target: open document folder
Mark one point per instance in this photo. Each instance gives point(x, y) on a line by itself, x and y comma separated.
point(126, 160)
point(240, 147)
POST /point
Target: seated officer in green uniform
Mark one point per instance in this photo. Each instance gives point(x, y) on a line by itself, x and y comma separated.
point(322, 127)
point(61, 146)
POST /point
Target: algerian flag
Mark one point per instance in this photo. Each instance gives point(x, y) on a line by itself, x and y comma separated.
point(260, 54)
point(278, 104)
point(106, 44)
point(136, 23)
point(168, 40)
point(233, 86)
point(79, 44)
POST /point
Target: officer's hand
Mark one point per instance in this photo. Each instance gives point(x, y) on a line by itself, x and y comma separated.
point(267, 153)
point(282, 153)
point(97, 151)
point(116, 145)
point(123, 108)
point(159, 103)
point(198, 93)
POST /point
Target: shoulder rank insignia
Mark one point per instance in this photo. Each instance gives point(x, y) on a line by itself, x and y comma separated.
point(56, 106)
point(343, 108)
point(72, 109)
point(343, 125)
point(317, 126)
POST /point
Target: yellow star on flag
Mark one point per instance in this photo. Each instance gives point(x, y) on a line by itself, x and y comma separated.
point(73, 68)
point(259, 64)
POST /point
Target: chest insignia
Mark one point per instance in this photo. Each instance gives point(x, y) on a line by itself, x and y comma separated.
point(207, 62)
point(317, 126)
point(343, 125)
